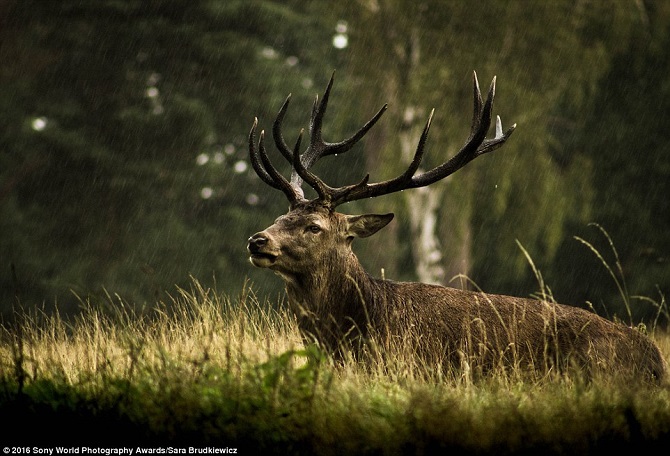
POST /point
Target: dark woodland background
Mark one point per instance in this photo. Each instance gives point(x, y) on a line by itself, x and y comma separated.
point(123, 129)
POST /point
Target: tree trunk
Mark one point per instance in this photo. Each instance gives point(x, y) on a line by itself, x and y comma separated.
point(422, 206)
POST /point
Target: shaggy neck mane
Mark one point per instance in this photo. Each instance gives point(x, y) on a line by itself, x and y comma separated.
point(335, 297)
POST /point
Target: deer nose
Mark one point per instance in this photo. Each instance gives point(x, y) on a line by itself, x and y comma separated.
point(256, 242)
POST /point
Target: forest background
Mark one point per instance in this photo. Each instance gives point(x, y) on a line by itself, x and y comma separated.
point(124, 166)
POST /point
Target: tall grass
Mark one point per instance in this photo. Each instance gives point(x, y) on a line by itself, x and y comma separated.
point(209, 369)
point(615, 271)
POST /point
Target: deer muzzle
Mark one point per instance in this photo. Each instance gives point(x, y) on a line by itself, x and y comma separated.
point(261, 253)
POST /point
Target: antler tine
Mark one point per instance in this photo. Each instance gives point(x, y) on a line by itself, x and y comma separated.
point(480, 125)
point(318, 147)
point(316, 144)
point(255, 158)
point(318, 111)
point(477, 101)
point(489, 145)
point(401, 182)
point(296, 171)
point(280, 180)
point(481, 119)
point(276, 131)
point(418, 155)
point(301, 173)
point(264, 169)
point(347, 144)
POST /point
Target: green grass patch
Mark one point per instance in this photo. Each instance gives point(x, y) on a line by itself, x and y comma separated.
point(205, 370)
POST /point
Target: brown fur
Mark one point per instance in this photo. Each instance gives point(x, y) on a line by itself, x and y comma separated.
point(339, 305)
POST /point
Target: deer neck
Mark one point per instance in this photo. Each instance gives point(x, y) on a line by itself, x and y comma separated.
point(336, 289)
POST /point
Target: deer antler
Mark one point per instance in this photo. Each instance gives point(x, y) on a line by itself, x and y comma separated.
point(476, 145)
point(264, 169)
point(300, 163)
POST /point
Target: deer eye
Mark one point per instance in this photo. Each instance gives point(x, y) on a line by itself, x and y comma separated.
point(314, 228)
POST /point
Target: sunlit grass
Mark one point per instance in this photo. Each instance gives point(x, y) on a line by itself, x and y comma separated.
point(207, 368)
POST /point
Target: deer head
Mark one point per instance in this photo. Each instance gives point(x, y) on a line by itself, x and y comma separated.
point(312, 231)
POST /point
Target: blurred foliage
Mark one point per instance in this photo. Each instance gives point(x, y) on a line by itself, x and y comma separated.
point(123, 129)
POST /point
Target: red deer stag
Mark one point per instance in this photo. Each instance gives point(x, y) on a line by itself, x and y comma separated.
point(339, 305)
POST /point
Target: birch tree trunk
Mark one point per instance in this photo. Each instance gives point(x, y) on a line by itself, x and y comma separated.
point(439, 236)
point(422, 203)
point(425, 204)
point(422, 206)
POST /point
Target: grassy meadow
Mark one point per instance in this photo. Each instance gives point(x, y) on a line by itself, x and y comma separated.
point(207, 370)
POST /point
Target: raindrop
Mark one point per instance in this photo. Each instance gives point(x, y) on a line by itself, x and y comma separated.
point(206, 192)
point(202, 159)
point(229, 149)
point(341, 26)
point(269, 53)
point(153, 79)
point(340, 41)
point(151, 92)
point(218, 158)
point(39, 123)
point(252, 199)
point(292, 61)
point(210, 138)
point(240, 166)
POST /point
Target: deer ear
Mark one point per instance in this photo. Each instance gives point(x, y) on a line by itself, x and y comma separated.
point(367, 224)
